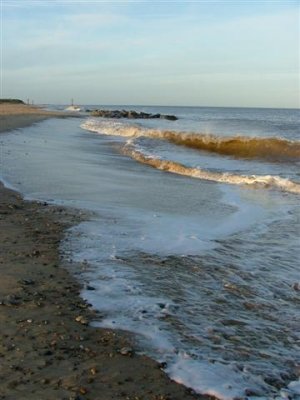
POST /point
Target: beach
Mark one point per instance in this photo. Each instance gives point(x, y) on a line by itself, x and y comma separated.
point(150, 200)
point(48, 350)
point(150, 251)
point(13, 116)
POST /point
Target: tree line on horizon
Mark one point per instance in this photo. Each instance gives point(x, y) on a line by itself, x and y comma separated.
point(12, 101)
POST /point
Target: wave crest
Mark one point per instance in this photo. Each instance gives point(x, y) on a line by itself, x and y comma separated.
point(272, 149)
point(235, 145)
point(267, 181)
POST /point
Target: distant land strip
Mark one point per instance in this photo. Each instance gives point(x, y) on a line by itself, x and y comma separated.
point(12, 101)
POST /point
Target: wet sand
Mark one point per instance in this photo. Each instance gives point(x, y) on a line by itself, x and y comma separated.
point(48, 350)
point(13, 116)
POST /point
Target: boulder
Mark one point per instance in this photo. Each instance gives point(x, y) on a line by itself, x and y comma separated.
point(130, 114)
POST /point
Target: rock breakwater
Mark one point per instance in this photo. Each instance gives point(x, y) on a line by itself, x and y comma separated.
point(130, 114)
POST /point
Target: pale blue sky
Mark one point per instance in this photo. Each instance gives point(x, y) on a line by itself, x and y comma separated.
point(206, 53)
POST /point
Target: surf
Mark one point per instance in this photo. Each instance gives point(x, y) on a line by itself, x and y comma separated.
point(285, 149)
point(258, 181)
point(246, 147)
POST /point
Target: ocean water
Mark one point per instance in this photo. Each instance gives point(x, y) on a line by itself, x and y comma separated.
point(193, 243)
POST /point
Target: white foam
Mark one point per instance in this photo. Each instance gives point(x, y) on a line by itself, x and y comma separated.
point(214, 379)
point(122, 298)
point(132, 132)
point(113, 128)
point(260, 181)
point(295, 387)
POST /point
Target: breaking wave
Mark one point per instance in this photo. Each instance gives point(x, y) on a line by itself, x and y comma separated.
point(272, 149)
point(267, 181)
point(235, 145)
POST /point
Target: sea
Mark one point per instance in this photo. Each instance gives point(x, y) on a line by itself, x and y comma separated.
point(192, 240)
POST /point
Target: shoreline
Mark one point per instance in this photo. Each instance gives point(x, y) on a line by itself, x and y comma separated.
point(14, 116)
point(48, 349)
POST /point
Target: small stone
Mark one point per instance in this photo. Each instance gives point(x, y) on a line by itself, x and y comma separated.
point(12, 300)
point(81, 320)
point(126, 351)
point(162, 365)
point(251, 392)
point(27, 282)
point(83, 390)
point(93, 371)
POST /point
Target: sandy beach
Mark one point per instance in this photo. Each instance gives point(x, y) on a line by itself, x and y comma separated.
point(13, 116)
point(47, 349)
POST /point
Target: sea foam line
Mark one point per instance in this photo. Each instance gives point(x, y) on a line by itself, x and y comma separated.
point(132, 132)
point(273, 149)
point(266, 181)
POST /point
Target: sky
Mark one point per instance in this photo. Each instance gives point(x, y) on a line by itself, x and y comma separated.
point(152, 52)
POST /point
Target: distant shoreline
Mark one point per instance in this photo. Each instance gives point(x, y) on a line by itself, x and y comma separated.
point(14, 116)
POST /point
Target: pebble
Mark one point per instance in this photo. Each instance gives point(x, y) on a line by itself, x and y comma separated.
point(296, 286)
point(27, 282)
point(81, 320)
point(11, 300)
point(83, 390)
point(93, 371)
point(126, 351)
point(162, 365)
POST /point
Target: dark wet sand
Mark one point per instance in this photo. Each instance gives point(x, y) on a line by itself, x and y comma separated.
point(47, 349)
point(13, 116)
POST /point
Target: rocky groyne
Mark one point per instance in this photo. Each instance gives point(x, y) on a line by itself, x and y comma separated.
point(130, 114)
